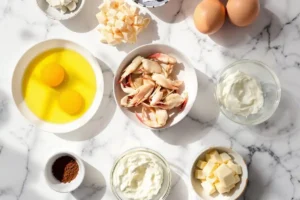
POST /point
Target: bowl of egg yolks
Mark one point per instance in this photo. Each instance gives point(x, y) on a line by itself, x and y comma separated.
point(57, 85)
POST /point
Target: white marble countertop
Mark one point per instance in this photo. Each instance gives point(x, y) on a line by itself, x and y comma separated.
point(271, 150)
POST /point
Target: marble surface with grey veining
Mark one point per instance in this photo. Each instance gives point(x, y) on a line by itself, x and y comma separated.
point(271, 150)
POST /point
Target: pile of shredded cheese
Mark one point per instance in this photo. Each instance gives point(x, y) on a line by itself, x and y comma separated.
point(120, 22)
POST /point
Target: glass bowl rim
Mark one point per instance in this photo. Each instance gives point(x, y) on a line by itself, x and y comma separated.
point(146, 150)
point(271, 72)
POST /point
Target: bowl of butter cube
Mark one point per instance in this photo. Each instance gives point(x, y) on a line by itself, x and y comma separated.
point(219, 173)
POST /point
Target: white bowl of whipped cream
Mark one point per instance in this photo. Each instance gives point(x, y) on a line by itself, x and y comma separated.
point(141, 174)
point(248, 92)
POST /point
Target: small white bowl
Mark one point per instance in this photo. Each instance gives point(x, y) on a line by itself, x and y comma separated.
point(18, 77)
point(151, 4)
point(56, 14)
point(186, 74)
point(57, 185)
point(234, 193)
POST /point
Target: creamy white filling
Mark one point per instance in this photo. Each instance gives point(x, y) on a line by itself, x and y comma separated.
point(139, 176)
point(240, 94)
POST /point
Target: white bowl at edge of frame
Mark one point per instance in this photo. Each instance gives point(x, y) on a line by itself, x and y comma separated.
point(56, 14)
point(151, 4)
point(20, 69)
point(184, 70)
point(237, 191)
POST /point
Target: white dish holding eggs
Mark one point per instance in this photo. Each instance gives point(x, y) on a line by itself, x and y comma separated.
point(237, 191)
point(184, 71)
point(19, 72)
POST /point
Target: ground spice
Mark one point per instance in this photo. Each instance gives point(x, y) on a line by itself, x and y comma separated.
point(65, 169)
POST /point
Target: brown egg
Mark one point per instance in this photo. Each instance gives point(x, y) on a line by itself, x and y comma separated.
point(242, 12)
point(209, 16)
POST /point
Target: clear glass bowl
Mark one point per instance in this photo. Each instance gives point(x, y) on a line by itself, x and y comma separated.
point(270, 86)
point(166, 185)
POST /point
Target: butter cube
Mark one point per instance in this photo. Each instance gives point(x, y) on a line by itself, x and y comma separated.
point(118, 36)
point(111, 22)
point(64, 9)
point(127, 35)
point(199, 174)
point(225, 157)
point(104, 7)
point(107, 29)
point(221, 188)
point(212, 179)
point(125, 9)
point(130, 29)
point(113, 4)
point(209, 168)
point(237, 178)
point(207, 157)
point(208, 187)
point(236, 168)
point(120, 25)
point(225, 175)
point(109, 37)
point(129, 20)
point(115, 30)
point(134, 10)
point(201, 164)
point(215, 156)
point(111, 13)
point(102, 19)
point(231, 187)
point(54, 3)
point(66, 2)
point(133, 38)
point(121, 16)
point(71, 6)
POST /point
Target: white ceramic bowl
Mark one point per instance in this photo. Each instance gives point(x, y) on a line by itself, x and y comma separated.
point(18, 77)
point(186, 74)
point(270, 87)
point(234, 193)
point(151, 4)
point(64, 187)
point(55, 14)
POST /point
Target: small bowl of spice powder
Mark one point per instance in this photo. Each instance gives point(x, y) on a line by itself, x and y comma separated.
point(64, 172)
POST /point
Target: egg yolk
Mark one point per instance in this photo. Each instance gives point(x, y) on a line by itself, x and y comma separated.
point(71, 102)
point(53, 75)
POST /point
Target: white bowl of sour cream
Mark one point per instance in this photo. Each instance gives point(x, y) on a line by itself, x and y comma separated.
point(141, 174)
point(248, 92)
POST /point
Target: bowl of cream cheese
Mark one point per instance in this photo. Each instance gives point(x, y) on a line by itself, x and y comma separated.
point(248, 92)
point(60, 9)
point(141, 174)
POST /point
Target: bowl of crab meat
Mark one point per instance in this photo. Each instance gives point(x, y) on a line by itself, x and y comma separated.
point(155, 86)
